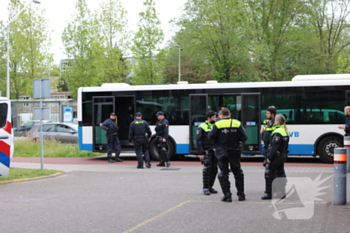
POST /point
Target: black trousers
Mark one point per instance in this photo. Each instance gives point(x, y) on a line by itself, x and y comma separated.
point(161, 149)
point(113, 144)
point(231, 158)
point(210, 169)
point(141, 145)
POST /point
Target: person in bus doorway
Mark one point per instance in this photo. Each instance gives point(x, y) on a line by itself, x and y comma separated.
point(113, 143)
point(346, 127)
point(137, 137)
point(226, 136)
point(276, 156)
point(206, 153)
point(162, 134)
point(267, 128)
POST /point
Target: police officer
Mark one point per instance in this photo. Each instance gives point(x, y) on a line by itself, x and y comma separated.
point(206, 152)
point(112, 138)
point(162, 134)
point(346, 127)
point(226, 135)
point(276, 156)
point(138, 138)
point(268, 127)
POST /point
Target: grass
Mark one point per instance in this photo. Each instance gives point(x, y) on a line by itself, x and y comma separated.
point(21, 173)
point(26, 147)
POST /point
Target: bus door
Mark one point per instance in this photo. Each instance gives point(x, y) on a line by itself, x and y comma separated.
point(197, 110)
point(102, 106)
point(124, 109)
point(250, 119)
point(6, 136)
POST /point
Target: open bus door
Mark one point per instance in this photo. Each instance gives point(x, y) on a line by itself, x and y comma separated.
point(102, 106)
point(250, 119)
point(6, 136)
point(198, 108)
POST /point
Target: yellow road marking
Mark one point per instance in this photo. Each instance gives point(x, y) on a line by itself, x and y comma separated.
point(189, 201)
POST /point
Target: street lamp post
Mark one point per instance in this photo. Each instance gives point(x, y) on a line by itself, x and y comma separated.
point(179, 62)
point(8, 46)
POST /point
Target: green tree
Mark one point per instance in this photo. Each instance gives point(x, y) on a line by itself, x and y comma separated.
point(30, 42)
point(112, 26)
point(81, 43)
point(222, 32)
point(146, 49)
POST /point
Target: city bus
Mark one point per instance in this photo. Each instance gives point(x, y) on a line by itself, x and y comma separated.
point(312, 104)
point(6, 136)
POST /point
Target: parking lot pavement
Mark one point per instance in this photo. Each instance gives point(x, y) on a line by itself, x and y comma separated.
point(121, 198)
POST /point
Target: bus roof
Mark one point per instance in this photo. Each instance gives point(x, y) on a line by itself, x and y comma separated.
point(326, 80)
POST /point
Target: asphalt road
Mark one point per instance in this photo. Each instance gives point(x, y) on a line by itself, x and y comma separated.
point(120, 198)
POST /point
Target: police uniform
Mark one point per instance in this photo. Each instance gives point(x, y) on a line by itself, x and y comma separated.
point(277, 154)
point(162, 131)
point(112, 139)
point(347, 126)
point(205, 147)
point(226, 135)
point(269, 127)
point(137, 135)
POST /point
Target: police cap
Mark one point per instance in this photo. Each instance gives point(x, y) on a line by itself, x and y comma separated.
point(138, 114)
point(112, 114)
point(160, 113)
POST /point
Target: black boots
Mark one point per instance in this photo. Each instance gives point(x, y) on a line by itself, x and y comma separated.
point(267, 195)
point(161, 164)
point(227, 197)
point(167, 163)
point(109, 158)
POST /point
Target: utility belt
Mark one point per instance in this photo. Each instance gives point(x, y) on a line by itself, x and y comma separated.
point(139, 136)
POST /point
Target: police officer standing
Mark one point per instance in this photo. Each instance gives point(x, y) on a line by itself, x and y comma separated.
point(276, 156)
point(138, 138)
point(226, 135)
point(268, 127)
point(346, 127)
point(162, 134)
point(205, 150)
point(112, 138)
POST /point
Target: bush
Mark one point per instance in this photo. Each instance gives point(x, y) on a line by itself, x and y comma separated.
point(26, 147)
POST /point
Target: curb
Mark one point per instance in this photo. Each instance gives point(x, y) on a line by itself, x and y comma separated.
point(30, 179)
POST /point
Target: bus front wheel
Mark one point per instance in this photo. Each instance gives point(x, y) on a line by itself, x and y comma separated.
point(326, 147)
point(153, 149)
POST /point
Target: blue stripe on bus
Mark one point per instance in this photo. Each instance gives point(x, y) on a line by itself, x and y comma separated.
point(182, 149)
point(87, 147)
point(301, 149)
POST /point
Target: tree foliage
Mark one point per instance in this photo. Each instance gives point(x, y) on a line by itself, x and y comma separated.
point(146, 47)
point(29, 45)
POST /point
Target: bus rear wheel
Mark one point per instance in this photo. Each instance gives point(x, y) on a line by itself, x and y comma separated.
point(153, 149)
point(326, 147)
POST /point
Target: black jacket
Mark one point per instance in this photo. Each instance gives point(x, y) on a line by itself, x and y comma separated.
point(227, 133)
point(162, 128)
point(139, 128)
point(279, 142)
point(110, 126)
point(202, 141)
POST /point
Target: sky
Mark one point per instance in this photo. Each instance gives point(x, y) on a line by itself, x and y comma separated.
point(59, 12)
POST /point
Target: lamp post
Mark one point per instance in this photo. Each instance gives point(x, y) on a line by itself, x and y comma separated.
point(8, 46)
point(179, 62)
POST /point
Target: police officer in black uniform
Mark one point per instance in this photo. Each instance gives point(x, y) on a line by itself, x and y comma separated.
point(268, 127)
point(137, 137)
point(276, 156)
point(226, 135)
point(162, 134)
point(112, 138)
point(205, 150)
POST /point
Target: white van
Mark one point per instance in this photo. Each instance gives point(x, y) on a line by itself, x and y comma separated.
point(6, 136)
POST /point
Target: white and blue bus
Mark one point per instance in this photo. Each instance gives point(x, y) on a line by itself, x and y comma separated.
point(312, 104)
